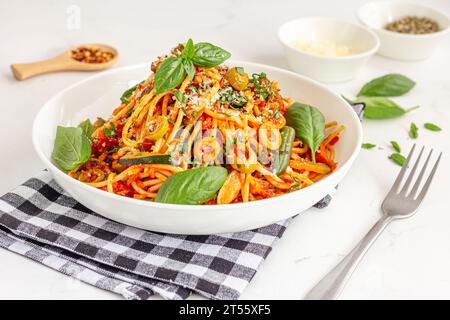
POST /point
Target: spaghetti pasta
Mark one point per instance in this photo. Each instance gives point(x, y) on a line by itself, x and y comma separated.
point(213, 124)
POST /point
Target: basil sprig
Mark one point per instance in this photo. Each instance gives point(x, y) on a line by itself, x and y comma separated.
point(390, 85)
point(172, 71)
point(309, 125)
point(374, 95)
point(72, 148)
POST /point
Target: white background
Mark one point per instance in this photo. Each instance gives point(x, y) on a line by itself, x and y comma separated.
point(411, 259)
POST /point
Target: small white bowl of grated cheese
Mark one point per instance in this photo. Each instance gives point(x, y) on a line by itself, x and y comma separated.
point(327, 49)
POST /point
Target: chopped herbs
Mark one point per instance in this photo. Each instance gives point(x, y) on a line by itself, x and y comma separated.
point(115, 149)
point(413, 131)
point(261, 85)
point(277, 114)
point(431, 126)
point(396, 146)
point(130, 112)
point(368, 145)
point(193, 89)
point(179, 96)
point(110, 132)
point(398, 159)
point(229, 96)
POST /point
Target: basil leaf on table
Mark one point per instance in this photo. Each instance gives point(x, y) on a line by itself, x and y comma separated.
point(396, 146)
point(194, 186)
point(398, 159)
point(309, 125)
point(413, 131)
point(71, 149)
point(87, 127)
point(381, 108)
point(208, 55)
point(390, 85)
point(169, 74)
point(368, 145)
point(432, 126)
point(126, 96)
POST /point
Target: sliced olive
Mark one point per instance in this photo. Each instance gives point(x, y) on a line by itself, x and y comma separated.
point(237, 78)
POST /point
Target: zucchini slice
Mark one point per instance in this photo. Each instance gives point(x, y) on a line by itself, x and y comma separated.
point(148, 159)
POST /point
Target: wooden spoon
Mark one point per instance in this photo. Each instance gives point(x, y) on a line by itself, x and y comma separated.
point(62, 62)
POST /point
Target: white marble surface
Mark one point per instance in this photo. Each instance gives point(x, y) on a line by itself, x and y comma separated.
point(411, 259)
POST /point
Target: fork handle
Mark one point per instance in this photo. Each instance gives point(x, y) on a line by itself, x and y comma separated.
point(332, 284)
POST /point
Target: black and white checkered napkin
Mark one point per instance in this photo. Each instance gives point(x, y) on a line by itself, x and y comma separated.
point(41, 221)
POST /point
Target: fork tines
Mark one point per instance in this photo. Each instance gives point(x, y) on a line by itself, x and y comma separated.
point(415, 188)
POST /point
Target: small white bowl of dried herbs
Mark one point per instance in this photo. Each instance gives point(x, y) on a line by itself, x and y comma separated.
point(407, 31)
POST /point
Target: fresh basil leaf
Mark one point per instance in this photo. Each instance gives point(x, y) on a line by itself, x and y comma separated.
point(71, 149)
point(396, 146)
point(398, 159)
point(309, 125)
point(87, 127)
point(194, 186)
point(390, 85)
point(188, 66)
point(126, 96)
point(188, 51)
point(208, 55)
point(432, 126)
point(179, 96)
point(413, 131)
point(169, 74)
point(368, 145)
point(380, 108)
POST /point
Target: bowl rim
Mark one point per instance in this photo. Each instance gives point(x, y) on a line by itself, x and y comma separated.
point(359, 55)
point(204, 208)
point(404, 35)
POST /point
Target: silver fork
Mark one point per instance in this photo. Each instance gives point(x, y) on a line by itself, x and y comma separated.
point(397, 205)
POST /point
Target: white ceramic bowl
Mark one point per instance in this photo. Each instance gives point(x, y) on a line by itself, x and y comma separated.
point(324, 68)
point(98, 95)
point(400, 46)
